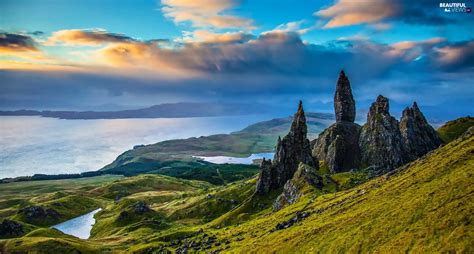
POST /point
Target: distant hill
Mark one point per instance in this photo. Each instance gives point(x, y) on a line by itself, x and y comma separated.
point(256, 138)
point(455, 128)
point(168, 110)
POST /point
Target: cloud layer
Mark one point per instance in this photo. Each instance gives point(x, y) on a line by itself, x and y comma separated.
point(92, 37)
point(205, 13)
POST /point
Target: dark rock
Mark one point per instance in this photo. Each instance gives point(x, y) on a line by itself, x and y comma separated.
point(344, 103)
point(300, 215)
point(10, 228)
point(140, 207)
point(123, 216)
point(290, 151)
point(338, 146)
point(418, 136)
point(380, 139)
point(304, 177)
point(38, 213)
point(265, 178)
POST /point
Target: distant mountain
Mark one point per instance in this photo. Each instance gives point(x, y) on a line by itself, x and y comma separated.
point(168, 110)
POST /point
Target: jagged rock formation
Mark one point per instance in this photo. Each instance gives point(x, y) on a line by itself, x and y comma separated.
point(380, 139)
point(338, 145)
point(344, 104)
point(418, 136)
point(304, 178)
point(10, 228)
point(290, 151)
point(265, 178)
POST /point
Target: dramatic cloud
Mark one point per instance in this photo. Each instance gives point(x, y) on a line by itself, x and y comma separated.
point(14, 43)
point(86, 37)
point(457, 56)
point(294, 26)
point(205, 13)
point(204, 36)
point(347, 12)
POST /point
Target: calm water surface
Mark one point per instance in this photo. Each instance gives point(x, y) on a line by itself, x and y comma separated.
point(31, 145)
point(80, 226)
point(236, 160)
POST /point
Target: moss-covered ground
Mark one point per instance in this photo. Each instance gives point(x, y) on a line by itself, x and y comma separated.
point(426, 206)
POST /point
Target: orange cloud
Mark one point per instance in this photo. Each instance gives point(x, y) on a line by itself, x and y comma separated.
point(16, 43)
point(85, 37)
point(349, 12)
point(204, 36)
point(453, 54)
point(205, 13)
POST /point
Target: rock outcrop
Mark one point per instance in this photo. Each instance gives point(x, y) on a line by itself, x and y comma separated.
point(417, 135)
point(338, 145)
point(10, 228)
point(344, 104)
point(305, 178)
point(380, 139)
point(35, 213)
point(290, 151)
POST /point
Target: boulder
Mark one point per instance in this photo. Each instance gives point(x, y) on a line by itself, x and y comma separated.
point(380, 139)
point(418, 136)
point(38, 213)
point(140, 207)
point(306, 178)
point(290, 151)
point(10, 228)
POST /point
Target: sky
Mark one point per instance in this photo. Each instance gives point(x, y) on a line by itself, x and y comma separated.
point(111, 54)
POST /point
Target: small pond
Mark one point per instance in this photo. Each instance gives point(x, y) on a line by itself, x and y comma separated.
point(80, 226)
point(235, 160)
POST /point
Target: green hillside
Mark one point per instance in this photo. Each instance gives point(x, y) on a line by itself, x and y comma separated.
point(455, 128)
point(175, 157)
point(423, 207)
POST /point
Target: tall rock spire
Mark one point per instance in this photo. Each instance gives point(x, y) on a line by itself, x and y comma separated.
point(338, 145)
point(418, 136)
point(380, 140)
point(290, 151)
point(344, 104)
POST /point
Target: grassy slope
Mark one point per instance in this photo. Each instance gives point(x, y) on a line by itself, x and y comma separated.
point(69, 197)
point(455, 128)
point(426, 207)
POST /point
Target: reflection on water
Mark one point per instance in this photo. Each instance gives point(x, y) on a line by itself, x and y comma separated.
point(236, 160)
point(80, 226)
point(36, 145)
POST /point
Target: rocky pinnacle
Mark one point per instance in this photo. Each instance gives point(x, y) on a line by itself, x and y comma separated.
point(344, 104)
point(290, 151)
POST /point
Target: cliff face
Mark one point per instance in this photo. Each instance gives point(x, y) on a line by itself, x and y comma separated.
point(380, 139)
point(338, 145)
point(418, 136)
point(290, 151)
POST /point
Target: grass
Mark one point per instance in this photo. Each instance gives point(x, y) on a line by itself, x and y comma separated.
point(423, 207)
point(426, 207)
point(454, 129)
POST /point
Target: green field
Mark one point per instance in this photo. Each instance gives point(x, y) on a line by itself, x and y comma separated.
point(425, 206)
